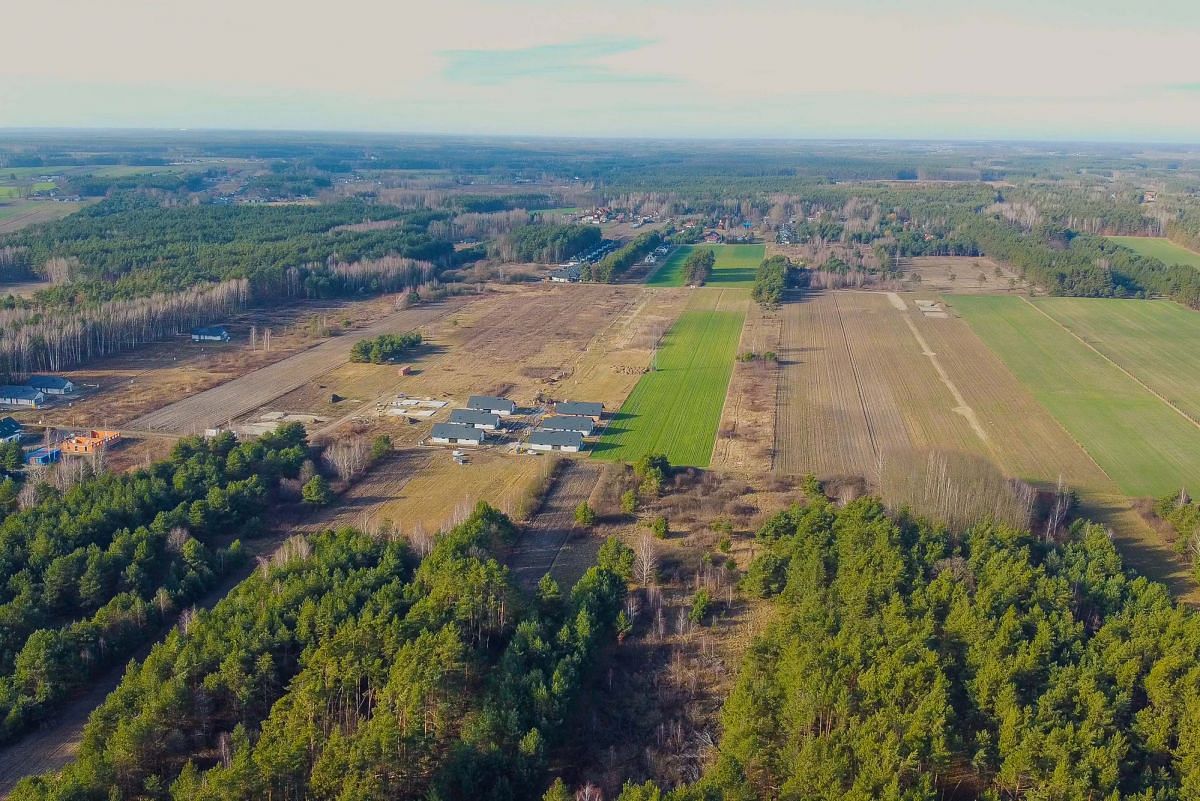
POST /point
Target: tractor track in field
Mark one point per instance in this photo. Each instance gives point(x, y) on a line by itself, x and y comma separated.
point(549, 543)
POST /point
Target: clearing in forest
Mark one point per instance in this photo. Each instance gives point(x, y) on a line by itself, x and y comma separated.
point(675, 409)
point(1160, 248)
point(1145, 445)
point(736, 265)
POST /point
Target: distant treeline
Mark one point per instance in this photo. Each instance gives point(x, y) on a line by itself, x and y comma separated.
point(547, 242)
point(1065, 262)
point(129, 245)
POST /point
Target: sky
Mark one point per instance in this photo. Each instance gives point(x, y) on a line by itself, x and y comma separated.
point(924, 69)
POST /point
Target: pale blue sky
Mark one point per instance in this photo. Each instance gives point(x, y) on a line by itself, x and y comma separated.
point(1047, 69)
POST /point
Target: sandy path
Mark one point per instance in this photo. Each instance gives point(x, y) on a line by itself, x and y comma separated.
point(235, 398)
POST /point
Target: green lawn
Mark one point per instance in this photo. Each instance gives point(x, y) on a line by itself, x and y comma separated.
point(676, 408)
point(1145, 446)
point(1159, 248)
point(736, 265)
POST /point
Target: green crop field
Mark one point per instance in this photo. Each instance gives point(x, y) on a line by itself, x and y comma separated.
point(1159, 248)
point(676, 408)
point(1153, 340)
point(1143, 444)
point(736, 265)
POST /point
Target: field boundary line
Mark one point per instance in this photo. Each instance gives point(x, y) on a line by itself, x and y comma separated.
point(1103, 356)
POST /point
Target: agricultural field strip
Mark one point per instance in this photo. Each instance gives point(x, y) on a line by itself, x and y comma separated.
point(680, 402)
point(1147, 447)
point(1106, 358)
point(1151, 341)
point(235, 398)
point(963, 407)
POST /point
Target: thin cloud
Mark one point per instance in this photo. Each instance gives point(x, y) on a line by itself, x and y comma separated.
point(583, 61)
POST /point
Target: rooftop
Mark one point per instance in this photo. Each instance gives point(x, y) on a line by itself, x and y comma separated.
point(557, 438)
point(569, 423)
point(456, 431)
point(579, 407)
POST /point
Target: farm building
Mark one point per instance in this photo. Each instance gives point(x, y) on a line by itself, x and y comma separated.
point(584, 408)
point(584, 425)
point(10, 430)
point(456, 434)
point(51, 384)
point(43, 456)
point(21, 396)
point(210, 333)
point(568, 274)
point(569, 441)
point(473, 417)
point(92, 441)
point(488, 403)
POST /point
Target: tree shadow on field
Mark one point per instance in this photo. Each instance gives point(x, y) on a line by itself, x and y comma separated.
point(617, 424)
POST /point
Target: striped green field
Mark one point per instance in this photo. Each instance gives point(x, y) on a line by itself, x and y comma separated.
point(1147, 447)
point(1159, 248)
point(736, 265)
point(676, 408)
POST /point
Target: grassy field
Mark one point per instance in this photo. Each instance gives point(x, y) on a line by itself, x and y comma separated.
point(1159, 248)
point(736, 265)
point(676, 408)
point(1142, 443)
point(1153, 340)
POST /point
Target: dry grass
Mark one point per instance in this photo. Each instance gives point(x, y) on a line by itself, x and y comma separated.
point(745, 439)
point(934, 274)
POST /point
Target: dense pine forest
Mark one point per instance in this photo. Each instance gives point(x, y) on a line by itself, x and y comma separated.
point(346, 668)
point(91, 571)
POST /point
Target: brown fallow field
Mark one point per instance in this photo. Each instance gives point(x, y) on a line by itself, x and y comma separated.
point(579, 342)
point(872, 387)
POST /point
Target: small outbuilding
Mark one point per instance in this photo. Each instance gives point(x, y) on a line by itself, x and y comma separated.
point(43, 456)
point(585, 408)
point(210, 333)
point(584, 425)
point(567, 441)
point(489, 403)
point(456, 434)
point(473, 417)
point(21, 396)
point(51, 384)
point(10, 430)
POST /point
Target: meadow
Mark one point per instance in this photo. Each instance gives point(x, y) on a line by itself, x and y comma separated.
point(1144, 445)
point(1159, 248)
point(675, 409)
point(736, 265)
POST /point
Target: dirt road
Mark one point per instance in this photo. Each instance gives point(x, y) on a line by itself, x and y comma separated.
point(551, 543)
point(235, 398)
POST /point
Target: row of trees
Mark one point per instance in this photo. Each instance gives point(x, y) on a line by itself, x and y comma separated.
point(343, 669)
point(90, 572)
point(771, 280)
point(385, 347)
point(547, 242)
point(55, 338)
point(614, 264)
point(698, 266)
